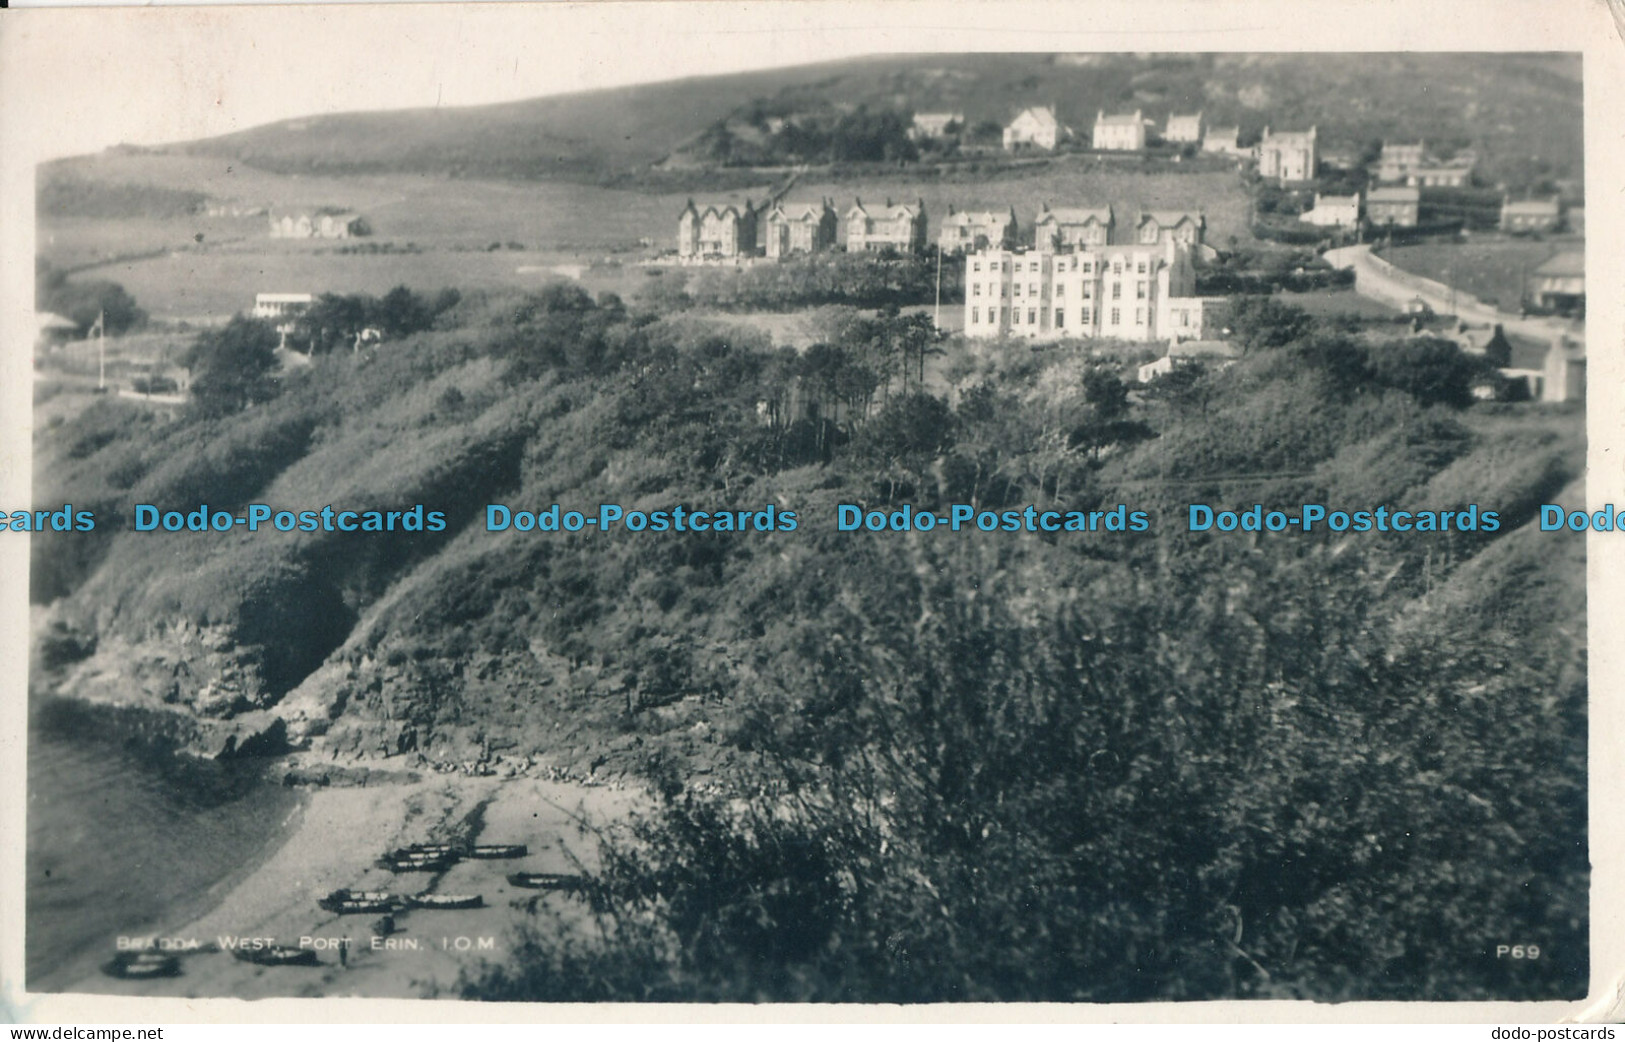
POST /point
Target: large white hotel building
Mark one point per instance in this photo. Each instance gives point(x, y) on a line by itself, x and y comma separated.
point(1128, 292)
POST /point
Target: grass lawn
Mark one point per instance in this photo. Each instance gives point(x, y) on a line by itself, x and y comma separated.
point(1493, 271)
point(1338, 302)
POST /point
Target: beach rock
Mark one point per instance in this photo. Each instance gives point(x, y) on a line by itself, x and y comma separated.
point(257, 733)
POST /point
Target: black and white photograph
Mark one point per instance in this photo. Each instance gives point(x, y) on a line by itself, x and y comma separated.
point(794, 515)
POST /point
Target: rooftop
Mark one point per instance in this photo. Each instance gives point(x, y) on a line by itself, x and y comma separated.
point(1569, 262)
point(1076, 214)
point(1532, 206)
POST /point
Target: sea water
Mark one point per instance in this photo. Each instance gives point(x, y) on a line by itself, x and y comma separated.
point(126, 840)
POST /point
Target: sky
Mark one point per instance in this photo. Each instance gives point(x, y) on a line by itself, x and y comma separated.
point(148, 76)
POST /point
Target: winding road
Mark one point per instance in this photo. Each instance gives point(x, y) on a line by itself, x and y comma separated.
point(1381, 281)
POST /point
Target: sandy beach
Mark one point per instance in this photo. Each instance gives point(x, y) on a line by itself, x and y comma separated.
point(331, 843)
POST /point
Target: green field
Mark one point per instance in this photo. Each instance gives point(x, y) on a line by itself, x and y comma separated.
point(1495, 271)
point(452, 223)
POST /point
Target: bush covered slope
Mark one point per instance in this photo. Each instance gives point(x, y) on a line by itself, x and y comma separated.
point(936, 766)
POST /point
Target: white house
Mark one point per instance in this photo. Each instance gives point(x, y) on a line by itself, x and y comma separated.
point(1185, 351)
point(1033, 128)
point(1120, 132)
point(934, 124)
point(1288, 156)
point(1223, 141)
point(1183, 128)
point(1334, 211)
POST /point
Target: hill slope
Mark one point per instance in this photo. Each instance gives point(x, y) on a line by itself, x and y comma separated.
point(1510, 107)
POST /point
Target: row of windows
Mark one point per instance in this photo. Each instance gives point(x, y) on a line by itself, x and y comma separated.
point(1085, 315)
point(1139, 266)
point(1141, 290)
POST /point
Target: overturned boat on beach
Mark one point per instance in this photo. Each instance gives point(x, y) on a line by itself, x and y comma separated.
point(498, 850)
point(445, 901)
point(547, 881)
point(142, 965)
point(277, 955)
point(355, 902)
point(402, 861)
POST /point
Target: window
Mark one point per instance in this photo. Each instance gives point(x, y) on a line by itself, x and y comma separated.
point(1018, 289)
point(1117, 317)
point(1032, 317)
point(1032, 289)
point(1141, 267)
point(1018, 316)
point(1060, 289)
point(976, 290)
point(1060, 318)
point(976, 266)
point(1139, 290)
point(1086, 316)
point(1088, 290)
point(1184, 317)
point(975, 316)
point(1139, 316)
point(1088, 267)
point(1117, 291)
point(1117, 267)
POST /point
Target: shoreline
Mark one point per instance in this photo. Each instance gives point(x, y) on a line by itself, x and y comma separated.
point(331, 843)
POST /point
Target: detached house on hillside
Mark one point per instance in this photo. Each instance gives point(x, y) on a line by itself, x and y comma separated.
point(968, 230)
point(935, 124)
point(1289, 156)
point(800, 228)
point(1034, 128)
point(1183, 128)
point(1399, 206)
point(1531, 215)
point(899, 226)
point(1073, 226)
point(1334, 211)
point(1156, 226)
point(716, 233)
point(1222, 140)
point(1398, 162)
point(1120, 132)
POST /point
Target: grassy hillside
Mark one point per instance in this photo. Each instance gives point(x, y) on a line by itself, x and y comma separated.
point(1510, 107)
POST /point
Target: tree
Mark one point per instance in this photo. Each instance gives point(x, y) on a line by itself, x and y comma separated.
point(83, 301)
point(1436, 372)
point(1262, 323)
point(234, 366)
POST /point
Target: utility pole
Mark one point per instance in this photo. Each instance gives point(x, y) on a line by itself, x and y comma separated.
point(100, 329)
point(936, 317)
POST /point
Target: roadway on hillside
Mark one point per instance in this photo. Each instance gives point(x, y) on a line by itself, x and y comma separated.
point(1395, 287)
